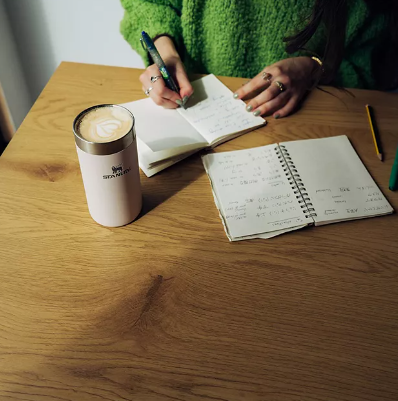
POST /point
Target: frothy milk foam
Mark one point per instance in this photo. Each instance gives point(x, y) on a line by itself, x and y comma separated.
point(105, 124)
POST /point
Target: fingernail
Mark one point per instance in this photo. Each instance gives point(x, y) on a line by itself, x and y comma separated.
point(256, 113)
point(236, 95)
point(276, 116)
point(179, 102)
point(249, 108)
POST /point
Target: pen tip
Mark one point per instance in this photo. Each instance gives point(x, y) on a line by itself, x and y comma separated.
point(380, 156)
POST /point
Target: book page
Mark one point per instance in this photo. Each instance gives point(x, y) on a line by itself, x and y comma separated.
point(150, 159)
point(163, 129)
point(252, 192)
point(214, 112)
point(337, 182)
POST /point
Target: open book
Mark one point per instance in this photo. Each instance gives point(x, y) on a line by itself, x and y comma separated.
point(269, 190)
point(213, 116)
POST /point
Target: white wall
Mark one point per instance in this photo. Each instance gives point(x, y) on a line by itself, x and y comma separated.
point(50, 31)
point(11, 75)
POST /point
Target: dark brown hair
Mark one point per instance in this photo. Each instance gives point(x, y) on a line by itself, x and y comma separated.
point(333, 15)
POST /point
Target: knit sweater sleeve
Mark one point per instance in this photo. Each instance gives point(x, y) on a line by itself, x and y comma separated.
point(363, 33)
point(156, 17)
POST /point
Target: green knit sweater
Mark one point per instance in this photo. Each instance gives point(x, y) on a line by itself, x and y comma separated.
point(240, 37)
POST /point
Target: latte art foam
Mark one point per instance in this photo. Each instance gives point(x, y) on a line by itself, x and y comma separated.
point(105, 124)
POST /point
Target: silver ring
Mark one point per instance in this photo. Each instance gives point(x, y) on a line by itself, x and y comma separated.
point(148, 90)
point(155, 78)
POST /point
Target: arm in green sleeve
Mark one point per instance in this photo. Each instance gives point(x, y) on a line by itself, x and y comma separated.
point(363, 35)
point(156, 17)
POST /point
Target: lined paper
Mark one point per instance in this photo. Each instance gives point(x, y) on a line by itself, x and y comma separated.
point(337, 182)
point(214, 112)
point(253, 192)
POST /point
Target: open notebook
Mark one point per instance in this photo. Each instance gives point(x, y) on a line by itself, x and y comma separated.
point(213, 116)
point(269, 190)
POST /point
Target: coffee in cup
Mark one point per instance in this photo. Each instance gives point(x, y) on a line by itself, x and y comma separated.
point(105, 124)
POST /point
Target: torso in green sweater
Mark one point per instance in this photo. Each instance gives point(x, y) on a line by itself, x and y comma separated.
point(241, 37)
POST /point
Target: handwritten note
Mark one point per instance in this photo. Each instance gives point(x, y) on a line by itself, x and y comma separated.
point(214, 112)
point(338, 185)
point(257, 195)
point(253, 192)
point(349, 201)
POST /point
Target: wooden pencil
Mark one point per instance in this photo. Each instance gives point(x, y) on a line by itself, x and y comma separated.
point(374, 131)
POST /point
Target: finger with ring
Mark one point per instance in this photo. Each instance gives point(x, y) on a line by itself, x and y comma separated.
point(266, 76)
point(148, 90)
point(280, 85)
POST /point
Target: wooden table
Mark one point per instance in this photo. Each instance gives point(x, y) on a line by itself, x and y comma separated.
point(166, 308)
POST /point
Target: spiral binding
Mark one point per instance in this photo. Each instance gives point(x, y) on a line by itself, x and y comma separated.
point(295, 181)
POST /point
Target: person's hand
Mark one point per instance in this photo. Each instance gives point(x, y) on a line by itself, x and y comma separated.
point(160, 93)
point(281, 85)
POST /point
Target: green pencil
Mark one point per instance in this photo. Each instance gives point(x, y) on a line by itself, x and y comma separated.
point(393, 184)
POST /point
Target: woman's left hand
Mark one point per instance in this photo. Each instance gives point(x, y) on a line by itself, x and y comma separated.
point(282, 86)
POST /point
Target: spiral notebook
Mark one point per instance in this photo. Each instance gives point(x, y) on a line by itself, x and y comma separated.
point(269, 190)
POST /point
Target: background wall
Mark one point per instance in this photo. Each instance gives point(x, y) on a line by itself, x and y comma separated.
point(11, 74)
point(46, 32)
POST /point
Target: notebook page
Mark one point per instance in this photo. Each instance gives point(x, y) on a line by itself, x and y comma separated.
point(163, 129)
point(252, 191)
point(246, 237)
point(150, 158)
point(214, 112)
point(337, 182)
point(149, 171)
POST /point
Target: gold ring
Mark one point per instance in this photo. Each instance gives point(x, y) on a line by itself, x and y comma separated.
point(266, 76)
point(280, 85)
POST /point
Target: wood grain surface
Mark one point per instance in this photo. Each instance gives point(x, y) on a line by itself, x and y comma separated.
point(166, 308)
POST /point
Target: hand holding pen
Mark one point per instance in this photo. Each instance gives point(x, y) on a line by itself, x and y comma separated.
point(165, 81)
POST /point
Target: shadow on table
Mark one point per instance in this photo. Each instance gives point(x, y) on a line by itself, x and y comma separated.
point(162, 186)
